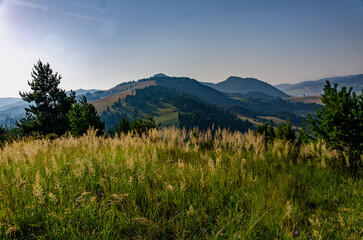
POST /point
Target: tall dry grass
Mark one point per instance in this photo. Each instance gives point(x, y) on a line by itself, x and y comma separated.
point(174, 184)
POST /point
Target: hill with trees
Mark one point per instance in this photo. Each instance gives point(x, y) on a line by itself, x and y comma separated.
point(251, 105)
point(172, 107)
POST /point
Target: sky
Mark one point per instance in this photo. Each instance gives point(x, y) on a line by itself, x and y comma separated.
point(97, 44)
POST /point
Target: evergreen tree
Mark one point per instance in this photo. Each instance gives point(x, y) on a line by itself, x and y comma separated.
point(284, 131)
point(2, 134)
point(48, 114)
point(124, 126)
point(137, 125)
point(82, 116)
point(303, 135)
point(268, 130)
point(340, 121)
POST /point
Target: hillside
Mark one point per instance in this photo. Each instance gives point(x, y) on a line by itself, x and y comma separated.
point(7, 101)
point(112, 104)
point(123, 87)
point(193, 87)
point(246, 85)
point(316, 87)
point(172, 107)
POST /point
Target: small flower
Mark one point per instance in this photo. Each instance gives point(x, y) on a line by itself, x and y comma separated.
point(102, 193)
point(296, 232)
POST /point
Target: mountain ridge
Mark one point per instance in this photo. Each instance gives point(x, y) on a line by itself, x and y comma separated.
point(235, 84)
point(315, 87)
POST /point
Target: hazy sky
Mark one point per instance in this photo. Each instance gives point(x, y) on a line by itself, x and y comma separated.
point(101, 43)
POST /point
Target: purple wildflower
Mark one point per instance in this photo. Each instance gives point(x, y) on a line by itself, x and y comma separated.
point(296, 232)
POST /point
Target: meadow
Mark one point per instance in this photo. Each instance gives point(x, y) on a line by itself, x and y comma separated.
point(174, 184)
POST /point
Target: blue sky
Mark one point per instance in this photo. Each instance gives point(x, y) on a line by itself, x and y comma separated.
point(101, 43)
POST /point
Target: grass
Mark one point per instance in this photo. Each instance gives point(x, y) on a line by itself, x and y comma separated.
point(167, 114)
point(174, 184)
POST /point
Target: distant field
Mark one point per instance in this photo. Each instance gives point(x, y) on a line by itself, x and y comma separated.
point(167, 115)
point(133, 85)
point(255, 122)
point(274, 119)
point(102, 104)
point(173, 184)
point(306, 99)
point(122, 91)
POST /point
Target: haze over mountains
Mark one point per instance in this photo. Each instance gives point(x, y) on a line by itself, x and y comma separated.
point(186, 102)
point(316, 87)
point(11, 109)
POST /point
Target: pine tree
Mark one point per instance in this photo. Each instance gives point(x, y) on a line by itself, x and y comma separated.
point(82, 116)
point(2, 134)
point(303, 134)
point(268, 130)
point(48, 114)
point(124, 126)
point(284, 131)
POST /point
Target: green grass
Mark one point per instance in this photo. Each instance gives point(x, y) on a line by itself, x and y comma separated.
point(167, 114)
point(176, 185)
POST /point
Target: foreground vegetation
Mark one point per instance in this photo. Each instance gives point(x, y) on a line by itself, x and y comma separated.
point(173, 184)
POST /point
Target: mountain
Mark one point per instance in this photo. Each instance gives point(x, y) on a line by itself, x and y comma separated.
point(171, 101)
point(123, 87)
point(177, 101)
point(12, 111)
point(7, 101)
point(283, 86)
point(185, 102)
point(260, 95)
point(182, 84)
point(173, 107)
point(81, 91)
point(316, 87)
point(193, 87)
point(246, 85)
point(18, 103)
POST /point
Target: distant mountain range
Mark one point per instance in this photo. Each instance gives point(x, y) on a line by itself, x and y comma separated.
point(308, 88)
point(236, 103)
point(246, 86)
point(12, 109)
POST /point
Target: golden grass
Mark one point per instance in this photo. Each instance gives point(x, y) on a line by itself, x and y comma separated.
point(173, 183)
